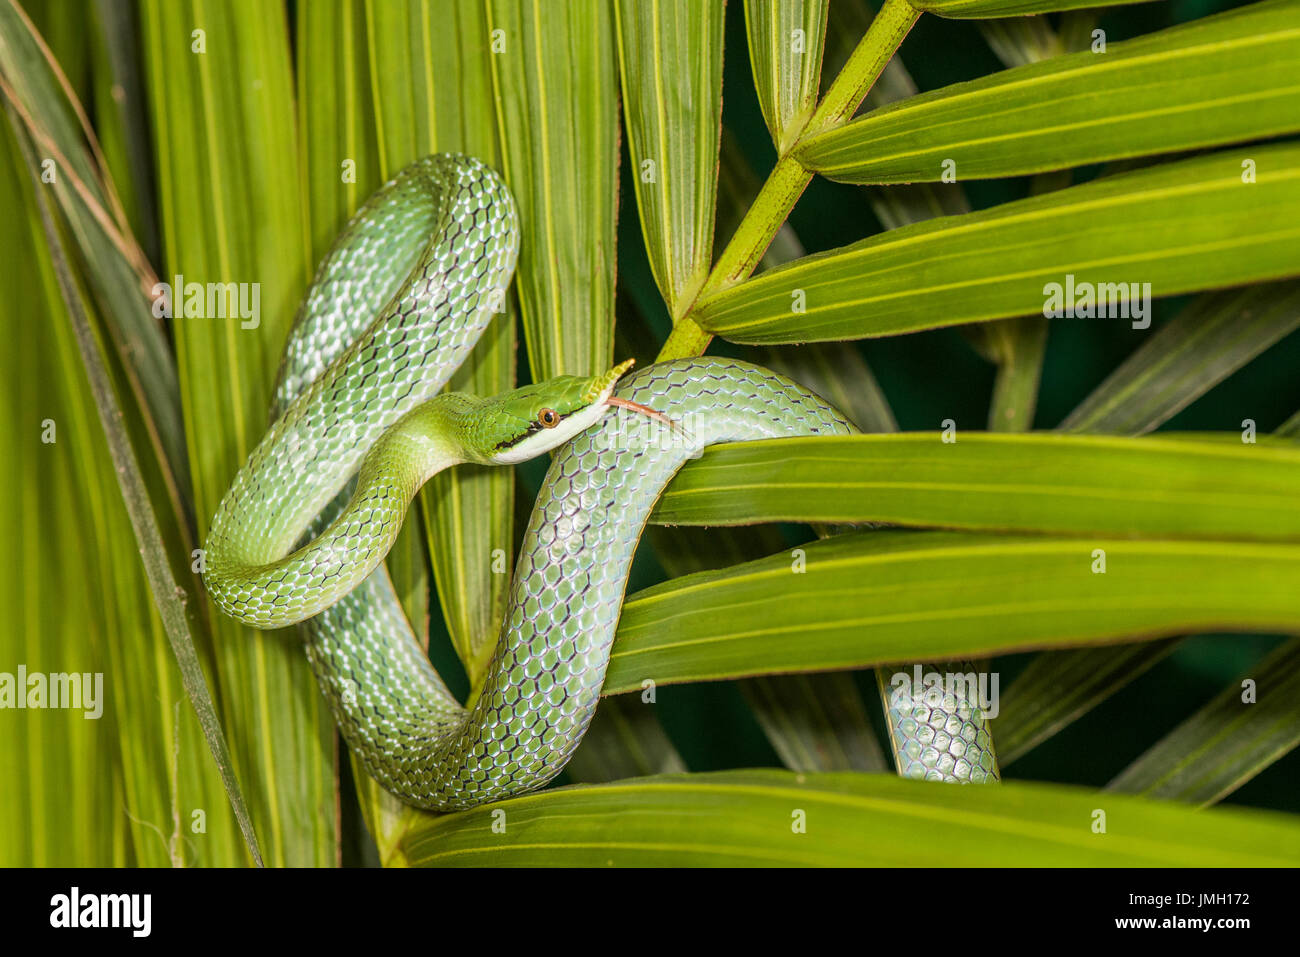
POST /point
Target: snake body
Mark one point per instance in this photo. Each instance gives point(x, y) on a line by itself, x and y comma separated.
point(359, 425)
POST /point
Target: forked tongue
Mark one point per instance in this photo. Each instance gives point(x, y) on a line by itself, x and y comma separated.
point(613, 376)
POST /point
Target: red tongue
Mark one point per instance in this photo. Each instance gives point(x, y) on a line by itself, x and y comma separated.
point(643, 409)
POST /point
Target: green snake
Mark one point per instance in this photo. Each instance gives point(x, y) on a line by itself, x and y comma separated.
point(360, 422)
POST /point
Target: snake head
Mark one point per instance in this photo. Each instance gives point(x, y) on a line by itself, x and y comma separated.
point(522, 424)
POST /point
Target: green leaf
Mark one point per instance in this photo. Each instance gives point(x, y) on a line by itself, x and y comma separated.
point(977, 9)
point(624, 739)
point(102, 617)
point(1058, 687)
point(897, 206)
point(119, 274)
point(230, 191)
point(841, 377)
point(1018, 41)
point(815, 722)
point(56, 768)
point(1204, 344)
point(163, 760)
point(778, 818)
point(1018, 346)
point(670, 55)
point(1214, 81)
point(556, 88)
point(1227, 742)
point(387, 819)
point(431, 80)
point(121, 117)
point(877, 597)
point(785, 52)
point(340, 153)
point(1180, 227)
point(1191, 485)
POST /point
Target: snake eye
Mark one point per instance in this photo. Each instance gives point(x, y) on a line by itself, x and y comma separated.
point(548, 418)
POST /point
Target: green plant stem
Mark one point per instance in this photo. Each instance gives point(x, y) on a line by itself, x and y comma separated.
point(788, 178)
point(1020, 343)
point(1020, 366)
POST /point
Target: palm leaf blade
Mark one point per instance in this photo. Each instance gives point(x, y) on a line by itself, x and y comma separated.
point(228, 149)
point(673, 116)
point(878, 597)
point(1181, 227)
point(1222, 79)
point(778, 818)
point(1227, 742)
point(1192, 485)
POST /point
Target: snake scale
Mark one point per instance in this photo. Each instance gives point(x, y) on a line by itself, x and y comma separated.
point(360, 422)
